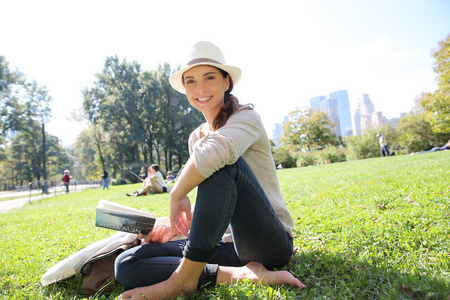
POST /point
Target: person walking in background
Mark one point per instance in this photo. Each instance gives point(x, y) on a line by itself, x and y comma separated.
point(105, 178)
point(66, 179)
point(383, 145)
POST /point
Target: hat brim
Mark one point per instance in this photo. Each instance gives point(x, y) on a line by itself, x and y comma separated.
point(176, 81)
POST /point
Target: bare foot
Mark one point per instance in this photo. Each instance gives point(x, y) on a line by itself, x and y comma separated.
point(163, 290)
point(256, 272)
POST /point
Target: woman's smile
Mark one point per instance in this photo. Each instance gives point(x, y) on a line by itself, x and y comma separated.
point(204, 99)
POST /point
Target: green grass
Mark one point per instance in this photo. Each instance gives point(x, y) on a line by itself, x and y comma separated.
point(369, 229)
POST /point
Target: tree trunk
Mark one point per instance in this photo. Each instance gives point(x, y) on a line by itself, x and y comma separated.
point(137, 157)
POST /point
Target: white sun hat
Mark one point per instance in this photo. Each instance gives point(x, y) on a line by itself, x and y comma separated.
point(204, 53)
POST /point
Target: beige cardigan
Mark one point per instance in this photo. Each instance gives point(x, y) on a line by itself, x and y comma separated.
point(242, 135)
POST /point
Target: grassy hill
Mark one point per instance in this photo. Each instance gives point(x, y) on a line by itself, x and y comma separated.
point(370, 229)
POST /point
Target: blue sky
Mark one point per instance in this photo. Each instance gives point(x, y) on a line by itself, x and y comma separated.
point(289, 51)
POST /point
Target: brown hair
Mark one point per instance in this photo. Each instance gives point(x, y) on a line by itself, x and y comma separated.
point(155, 167)
point(230, 105)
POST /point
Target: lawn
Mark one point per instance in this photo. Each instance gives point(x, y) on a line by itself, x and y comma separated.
point(370, 229)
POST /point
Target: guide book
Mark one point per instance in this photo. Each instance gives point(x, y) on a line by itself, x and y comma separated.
point(123, 218)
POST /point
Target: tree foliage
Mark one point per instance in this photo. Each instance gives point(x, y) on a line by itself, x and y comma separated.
point(24, 107)
point(136, 117)
point(363, 146)
point(437, 104)
point(12, 111)
point(309, 130)
point(416, 134)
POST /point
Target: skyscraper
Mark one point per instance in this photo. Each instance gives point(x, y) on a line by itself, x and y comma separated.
point(345, 118)
point(314, 103)
point(363, 113)
point(331, 107)
point(337, 107)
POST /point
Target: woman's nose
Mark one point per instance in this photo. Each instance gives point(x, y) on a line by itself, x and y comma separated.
point(201, 87)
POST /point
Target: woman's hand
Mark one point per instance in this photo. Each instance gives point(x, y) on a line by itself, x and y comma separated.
point(180, 214)
point(159, 234)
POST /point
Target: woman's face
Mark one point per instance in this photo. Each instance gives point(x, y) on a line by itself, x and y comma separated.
point(205, 89)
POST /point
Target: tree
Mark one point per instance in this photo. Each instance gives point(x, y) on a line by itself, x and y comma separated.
point(116, 106)
point(12, 111)
point(135, 115)
point(309, 130)
point(437, 104)
point(23, 158)
point(175, 119)
point(416, 134)
point(24, 109)
point(87, 153)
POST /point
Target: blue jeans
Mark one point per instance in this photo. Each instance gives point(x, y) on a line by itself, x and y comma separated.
point(105, 183)
point(431, 150)
point(231, 196)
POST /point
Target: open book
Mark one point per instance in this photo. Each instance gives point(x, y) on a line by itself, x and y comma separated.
point(123, 218)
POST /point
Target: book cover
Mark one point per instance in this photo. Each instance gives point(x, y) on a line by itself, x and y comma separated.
point(123, 218)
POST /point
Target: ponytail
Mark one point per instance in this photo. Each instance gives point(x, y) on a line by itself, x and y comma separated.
point(230, 105)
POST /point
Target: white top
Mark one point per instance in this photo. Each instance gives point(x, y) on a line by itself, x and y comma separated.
point(242, 135)
point(159, 179)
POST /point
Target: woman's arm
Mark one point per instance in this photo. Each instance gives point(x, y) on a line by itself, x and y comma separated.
point(180, 207)
point(225, 145)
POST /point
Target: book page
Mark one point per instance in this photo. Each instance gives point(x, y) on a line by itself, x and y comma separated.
point(104, 204)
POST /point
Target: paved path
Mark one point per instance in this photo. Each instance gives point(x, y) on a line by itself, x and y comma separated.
point(35, 195)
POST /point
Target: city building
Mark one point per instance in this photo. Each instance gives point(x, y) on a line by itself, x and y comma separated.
point(278, 132)
point(364, 108)
point(366, 117)
point(418, 109)
point(345, 118)
point(337, 107)
point(314, 103)
point(331, 107)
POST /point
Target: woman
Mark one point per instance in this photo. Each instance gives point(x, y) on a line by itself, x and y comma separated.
point(434, 149)
point(142, 174)
point(154, 183)
point(230, 157)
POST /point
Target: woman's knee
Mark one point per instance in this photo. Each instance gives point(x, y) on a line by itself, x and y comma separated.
point(122, 268)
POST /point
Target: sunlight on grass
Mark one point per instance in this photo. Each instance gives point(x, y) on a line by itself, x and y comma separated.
point(375, 228)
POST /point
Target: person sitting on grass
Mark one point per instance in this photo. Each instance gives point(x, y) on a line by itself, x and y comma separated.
point(170, 178)
point(153, 184)
point(142, 174)
point(445, 147)
point(231, 165)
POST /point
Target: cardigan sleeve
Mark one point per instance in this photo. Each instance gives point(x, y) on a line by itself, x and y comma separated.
point(225, 145)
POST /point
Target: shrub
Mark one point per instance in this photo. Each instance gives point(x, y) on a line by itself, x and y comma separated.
point(360, 147)
point(331, 155)
point(119, 181)
point(284, 158)
point(306, 159)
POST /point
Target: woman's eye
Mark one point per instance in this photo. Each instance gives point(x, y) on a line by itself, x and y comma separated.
point(210, 78)
point(189, 81)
